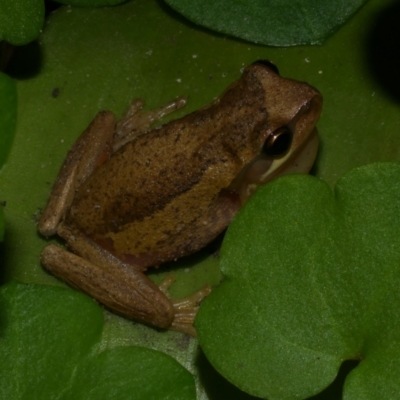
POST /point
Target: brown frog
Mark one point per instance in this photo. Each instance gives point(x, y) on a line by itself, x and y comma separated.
point(128, 197)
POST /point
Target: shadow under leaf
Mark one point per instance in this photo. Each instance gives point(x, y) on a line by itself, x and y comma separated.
point(25, 62)
point(383, 50)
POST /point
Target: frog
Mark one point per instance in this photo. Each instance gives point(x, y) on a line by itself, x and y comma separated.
point(130, 196)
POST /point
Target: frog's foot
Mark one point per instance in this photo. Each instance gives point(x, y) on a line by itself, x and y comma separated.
point(136, 122)
point(186, 308)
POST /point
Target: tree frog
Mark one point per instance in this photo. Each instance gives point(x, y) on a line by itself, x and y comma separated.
point(129, 197)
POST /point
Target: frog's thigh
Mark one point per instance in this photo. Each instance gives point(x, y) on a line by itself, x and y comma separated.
point(91, 149)
point(126, 293)
point(136, 122)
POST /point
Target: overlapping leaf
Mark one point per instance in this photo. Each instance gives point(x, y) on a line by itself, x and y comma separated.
point(274, 23)
point(312, 279)
point(49, 350)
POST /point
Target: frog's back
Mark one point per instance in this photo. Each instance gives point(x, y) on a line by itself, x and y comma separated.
point(170, 185)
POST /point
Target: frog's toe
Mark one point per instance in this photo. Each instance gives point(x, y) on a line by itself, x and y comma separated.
point(191, 302)
point(186, 308)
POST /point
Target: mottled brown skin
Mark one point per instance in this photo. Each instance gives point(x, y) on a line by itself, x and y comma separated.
point(165, 194)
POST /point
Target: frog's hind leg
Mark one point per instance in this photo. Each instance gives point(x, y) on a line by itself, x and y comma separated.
point(91, 149)
point(136, 122)
point(185, 308)
point(122, 289)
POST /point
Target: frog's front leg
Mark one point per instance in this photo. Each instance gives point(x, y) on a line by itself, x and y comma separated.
point(119, 286)
point(91, 149)
point(136, 122)
point(100, 139)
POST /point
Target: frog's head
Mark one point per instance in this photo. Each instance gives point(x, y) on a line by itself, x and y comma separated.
point(287, 138)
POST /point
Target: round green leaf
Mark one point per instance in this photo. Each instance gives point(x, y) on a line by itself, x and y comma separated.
point(274, 23)
point(132, 373)
point(45, 333)
point(312, 279)
point(49, 349)
point(21, 20)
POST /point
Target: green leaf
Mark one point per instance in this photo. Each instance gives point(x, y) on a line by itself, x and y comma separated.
point(312, 279)
point(8, 115)
point(49, 350)
point(91, 3)
point(274, 23)
point(45, 332)
point(21, 20)
point(132, 373)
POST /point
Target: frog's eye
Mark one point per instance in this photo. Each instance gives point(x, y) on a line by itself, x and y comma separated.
point(278, 142)
point(268, 64)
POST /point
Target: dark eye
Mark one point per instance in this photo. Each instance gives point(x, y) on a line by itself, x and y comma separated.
point(268, 64)
point(278, 142)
